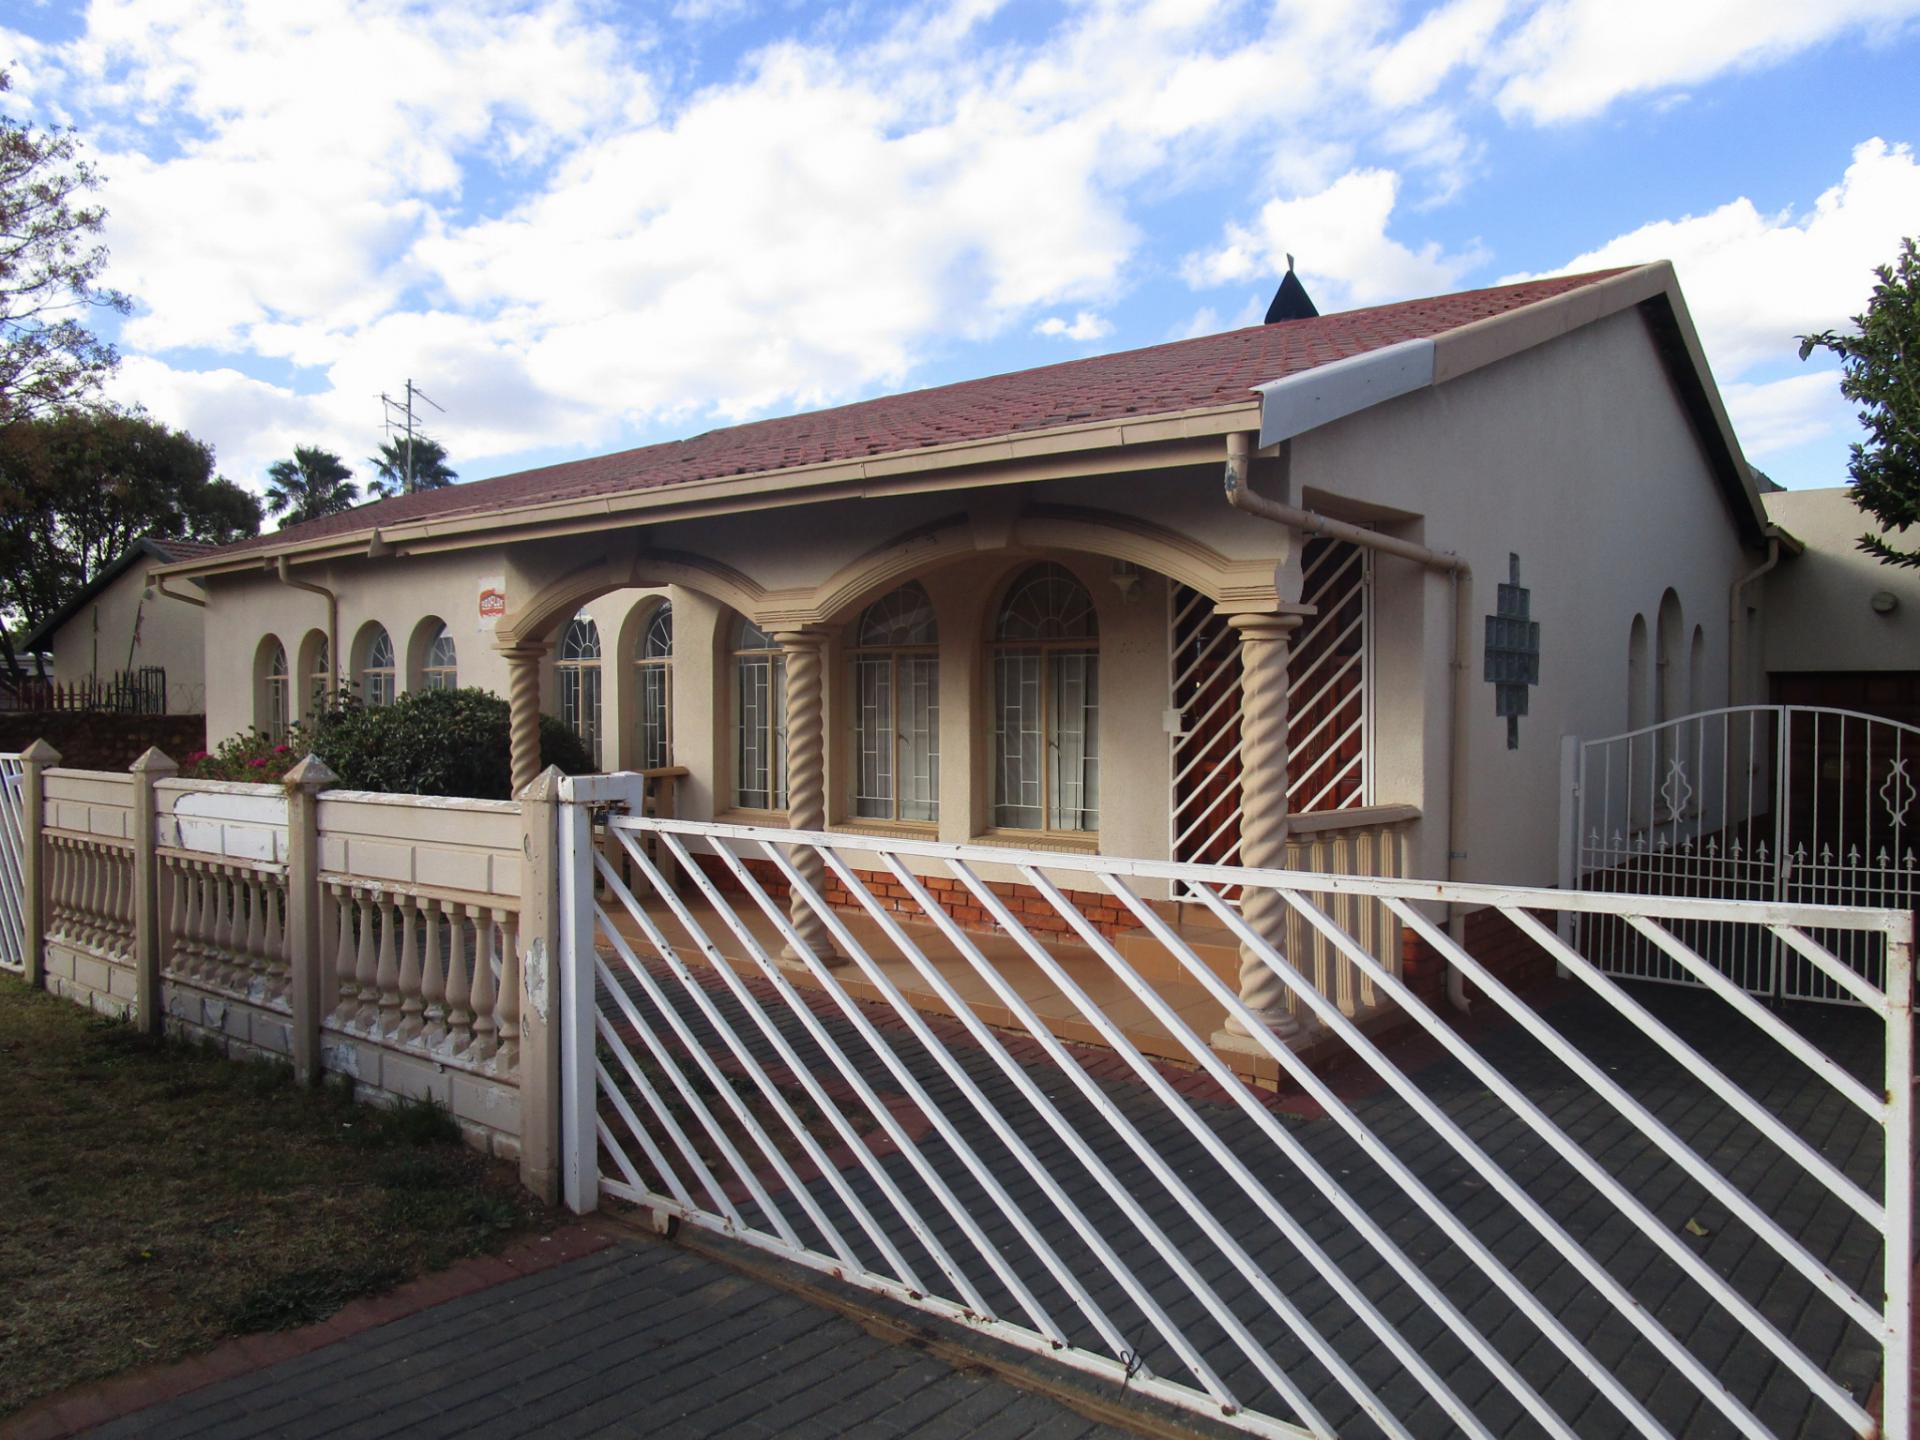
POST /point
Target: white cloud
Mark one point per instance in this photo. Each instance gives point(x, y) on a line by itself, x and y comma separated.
point(1573, 58)
point(1755, 281)
point(1780, 414)
point(1339, 237)
point(1084, 326)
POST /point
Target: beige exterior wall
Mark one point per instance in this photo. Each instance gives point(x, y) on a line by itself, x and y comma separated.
point(1575, 456)
point(99, 641)
point(1819, 614)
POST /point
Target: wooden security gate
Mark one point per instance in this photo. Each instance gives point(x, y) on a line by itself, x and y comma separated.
point(1802, 804)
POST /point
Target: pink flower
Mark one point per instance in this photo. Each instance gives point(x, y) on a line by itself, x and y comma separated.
point(258, 762)
point(283, 749)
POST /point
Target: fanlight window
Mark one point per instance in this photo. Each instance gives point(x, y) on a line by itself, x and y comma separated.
point(1046, 705)
point(579, 675)
point(442, 670)
point(656, 690)
point(896, 692)
point(376, 676)
point(760, 720)
point(274, 690)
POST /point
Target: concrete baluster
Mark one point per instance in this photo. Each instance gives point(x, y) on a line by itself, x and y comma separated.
point(433, 978)
point(459, 993)
point(509, 1008)
point(366, 970)
point(486, 1029)
point(412, 1005)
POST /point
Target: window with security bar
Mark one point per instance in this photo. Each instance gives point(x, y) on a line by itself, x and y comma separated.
point(442, 670)
point(578, 672)
point(760, 720)
point(377, 674)
point(276, 687)
point(1328, 683)
point(896, 695)
point(1046, 705)
point(656, 689)
point(320, 677)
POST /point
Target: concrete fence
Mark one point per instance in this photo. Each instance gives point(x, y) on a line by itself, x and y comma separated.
point(377, 937)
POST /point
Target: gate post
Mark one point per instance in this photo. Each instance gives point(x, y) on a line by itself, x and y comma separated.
point(35, 761)
point(1569, 833)
point(148, 770)
point(580, 1145)
point(1896, 1376)
point(540, 1027)
point(303, 784)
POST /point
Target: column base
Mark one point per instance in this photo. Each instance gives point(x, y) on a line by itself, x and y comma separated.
point(826, 955)
point(1281, 1024)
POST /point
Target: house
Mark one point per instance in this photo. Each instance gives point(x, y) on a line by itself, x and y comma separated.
point(117, 635)
point(1310, 583)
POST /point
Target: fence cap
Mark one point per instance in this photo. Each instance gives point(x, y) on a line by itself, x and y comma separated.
point(155, 761)
point(40, 753)
point(310, 773)
point(544, 786)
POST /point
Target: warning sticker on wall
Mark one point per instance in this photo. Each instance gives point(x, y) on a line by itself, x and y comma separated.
point(492, 606)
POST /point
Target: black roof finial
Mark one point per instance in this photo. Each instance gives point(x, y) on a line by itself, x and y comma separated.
point(1291, 301)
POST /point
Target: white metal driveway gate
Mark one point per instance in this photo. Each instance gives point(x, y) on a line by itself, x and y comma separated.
point(1758, 802)
point(13, 947)
point(1603, 1219)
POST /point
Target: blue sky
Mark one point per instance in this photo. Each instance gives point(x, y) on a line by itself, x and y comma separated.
point(582, 226)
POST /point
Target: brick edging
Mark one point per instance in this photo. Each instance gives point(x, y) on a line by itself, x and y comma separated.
point(68, 1412)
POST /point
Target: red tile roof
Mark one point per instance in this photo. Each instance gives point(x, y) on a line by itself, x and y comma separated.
point(1212, 370)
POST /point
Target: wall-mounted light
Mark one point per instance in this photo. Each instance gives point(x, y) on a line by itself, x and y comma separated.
point(1884, 602)
point(1126, 579)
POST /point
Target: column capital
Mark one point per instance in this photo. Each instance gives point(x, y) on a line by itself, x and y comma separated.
point(525, 650)
point(1260, 626)
point(801, 637)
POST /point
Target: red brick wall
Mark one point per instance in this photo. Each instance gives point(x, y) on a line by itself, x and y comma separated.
point(1101, 909)
point(1492, 939)
point(103, 742)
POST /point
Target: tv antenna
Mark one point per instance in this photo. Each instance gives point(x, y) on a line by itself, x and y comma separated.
point(406, 426)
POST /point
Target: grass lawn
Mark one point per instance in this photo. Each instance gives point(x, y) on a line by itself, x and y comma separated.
point(156, 1198)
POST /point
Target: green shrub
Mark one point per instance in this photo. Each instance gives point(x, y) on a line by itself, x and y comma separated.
point(428, 742)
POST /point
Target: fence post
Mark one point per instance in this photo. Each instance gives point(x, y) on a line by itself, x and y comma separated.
point(303, 783)
point(540, 1026)
point(580, 1143)
point(148, 770)
point(35, 761)
point(1896, 1377)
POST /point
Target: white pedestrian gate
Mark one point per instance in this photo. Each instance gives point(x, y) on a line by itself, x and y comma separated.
point(1676, 1218)
point(1759, 802)
point(13, 941)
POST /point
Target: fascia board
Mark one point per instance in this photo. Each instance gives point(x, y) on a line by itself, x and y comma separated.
point(1298, 403)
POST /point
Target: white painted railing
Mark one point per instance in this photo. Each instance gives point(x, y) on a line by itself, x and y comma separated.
point(1444, 1255)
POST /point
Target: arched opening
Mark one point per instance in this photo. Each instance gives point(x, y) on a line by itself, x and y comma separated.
point(759, 719)
point(374, 670)
point(271, 688)
point(653, 661)
point(895, 659)
point(1045, 668)
point(433, 660)
point(1670, 660)
point(1639, 679)
point(578, 673)
point(315, 674)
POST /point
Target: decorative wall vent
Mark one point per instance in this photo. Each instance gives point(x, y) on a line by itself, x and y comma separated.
point(1513, 651)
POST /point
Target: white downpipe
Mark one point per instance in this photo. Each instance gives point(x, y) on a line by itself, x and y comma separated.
point(1736, 628)
point(280, 569)
point(1460, 576)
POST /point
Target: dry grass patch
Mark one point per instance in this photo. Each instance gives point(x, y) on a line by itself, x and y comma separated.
point(156, 1198)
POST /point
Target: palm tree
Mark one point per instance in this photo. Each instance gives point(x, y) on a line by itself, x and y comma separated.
point(430, 470)
point(313, 483)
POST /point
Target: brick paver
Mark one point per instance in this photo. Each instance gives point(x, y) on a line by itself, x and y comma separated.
point(642, 1339)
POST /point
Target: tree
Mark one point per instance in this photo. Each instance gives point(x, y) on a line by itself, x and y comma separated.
point(430, 470)
point(78, 488)
point(49, 262)
point(313, 483)
point(1880, 372)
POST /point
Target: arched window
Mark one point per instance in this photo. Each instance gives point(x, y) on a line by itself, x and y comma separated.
point(1046, 704)
point(760, 720)
point(376, 667)
point(316, 671)
point(442, 668)
point(896, 704)
point(655, 660)
point(579, 672)
point(274, 689)
point(1670, 676)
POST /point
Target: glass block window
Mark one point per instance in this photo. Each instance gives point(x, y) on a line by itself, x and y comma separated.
point(656, 690)
point(442, 670)
point(1045, 660)
point(760, 720)
point(578, 671)
point(376, 674)
point(275, 687)
point(896, 695)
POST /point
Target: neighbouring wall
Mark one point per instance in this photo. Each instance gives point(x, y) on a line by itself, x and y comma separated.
point(88, 741)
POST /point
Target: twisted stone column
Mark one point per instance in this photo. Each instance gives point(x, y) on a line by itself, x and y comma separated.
point(523, 703)
point(1264, 641)
point(807, 776)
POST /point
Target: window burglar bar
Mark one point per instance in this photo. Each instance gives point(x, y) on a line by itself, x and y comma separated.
point(1188, 1240)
